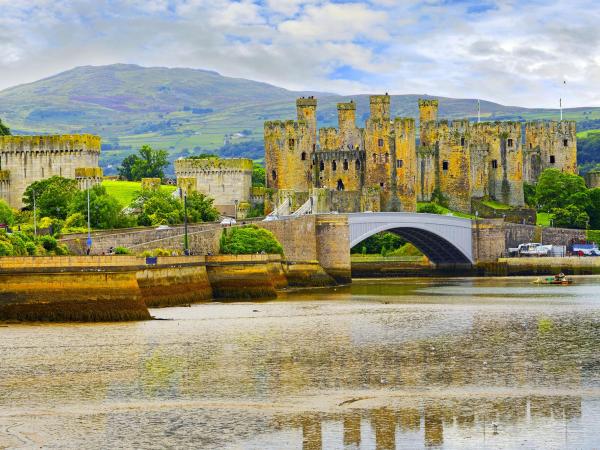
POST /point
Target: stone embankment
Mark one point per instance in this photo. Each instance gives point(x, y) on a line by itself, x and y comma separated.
point(571, 265)
point(116, 288)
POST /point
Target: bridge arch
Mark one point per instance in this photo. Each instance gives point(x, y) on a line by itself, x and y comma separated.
point(443, 239)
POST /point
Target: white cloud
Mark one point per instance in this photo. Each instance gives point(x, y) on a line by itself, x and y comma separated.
point(513, 52)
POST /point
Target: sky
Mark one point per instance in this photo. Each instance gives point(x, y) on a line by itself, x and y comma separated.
point(517, 52)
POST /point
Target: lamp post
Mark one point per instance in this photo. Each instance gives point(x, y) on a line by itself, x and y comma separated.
point(235, 202)
point(34, 214)
point(186, 248)
point(89, 238)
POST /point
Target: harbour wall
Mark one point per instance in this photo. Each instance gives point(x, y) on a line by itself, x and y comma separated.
point(118, 288)
point(571, 265)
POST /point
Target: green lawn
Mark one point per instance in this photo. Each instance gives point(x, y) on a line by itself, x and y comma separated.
point(125, 191)
point(448, 211)
point(543, 219)
point(584, 134)
point(495, 205)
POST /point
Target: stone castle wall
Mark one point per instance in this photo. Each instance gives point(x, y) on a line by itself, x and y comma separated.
point(227, 181)
point(25, 159)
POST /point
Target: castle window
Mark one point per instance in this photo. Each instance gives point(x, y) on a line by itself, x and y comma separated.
point(494, 163)
point(530, 146)
point(510, 142)
point(565, 142)
point(290, 143)
point(314, 147)
point(333, 165)
point(340, 185)
point(444, 165)
point(462, 141)
point(321, 166)
point(357, 164)
point(399, 163)
point(552, 159)
point(274, 175)
point(303, 156)
point(382, 184)
point(380, 142)
point(345, 164)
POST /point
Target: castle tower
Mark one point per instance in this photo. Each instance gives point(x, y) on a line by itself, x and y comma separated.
point(25, 159)
point(406, 162)
point(505, 160)
point(454, 163)
point(290, 148)
point(380, 107)
point(549, 144)
point(428, 112)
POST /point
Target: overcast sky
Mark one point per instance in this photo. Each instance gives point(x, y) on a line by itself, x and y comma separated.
point(512, 52)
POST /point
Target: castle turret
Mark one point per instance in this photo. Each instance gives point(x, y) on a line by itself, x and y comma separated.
point(428, 112)
point(549, 144)
point(380, 107)
point(307, 113)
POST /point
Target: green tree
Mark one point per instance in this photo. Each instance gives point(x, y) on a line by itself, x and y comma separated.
point(570, 216)
point(258, 175)
point(7, 216)
point(200, 208)
point(556, 189)
point(4, 130)
point(593, 209)
point(148, 163)
point(529, 194)
point(375, 244)
point(105, 210)
point(249, 239)
point(158, 208)
point(52, 196)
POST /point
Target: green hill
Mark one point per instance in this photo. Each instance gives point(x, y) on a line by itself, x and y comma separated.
point(189, 111)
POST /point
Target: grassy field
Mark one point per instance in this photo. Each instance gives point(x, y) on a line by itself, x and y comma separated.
point(447, 211)
point(584, 134)
point(125, 191)
point(495, 205)
point(543, 219)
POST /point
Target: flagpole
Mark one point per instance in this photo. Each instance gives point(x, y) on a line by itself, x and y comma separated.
point(478, 111)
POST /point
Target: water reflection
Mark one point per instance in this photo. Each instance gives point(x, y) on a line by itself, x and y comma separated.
point(379, 365)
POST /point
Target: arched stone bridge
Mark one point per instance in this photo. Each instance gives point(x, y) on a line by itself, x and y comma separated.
point(444, 239)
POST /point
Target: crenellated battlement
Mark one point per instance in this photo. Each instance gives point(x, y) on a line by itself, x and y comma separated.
point(213, 164)
point(308, 101)
point(52, 143)
point(88, 172)
point(347, 106)
point(563, 127)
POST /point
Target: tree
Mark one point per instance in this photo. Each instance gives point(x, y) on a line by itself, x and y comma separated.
point(4, 130)
point(200, 208)
point(105, 210)
point(248, 240)
point(556, 189)
point(258, 175)
point(570, 216)
point(149, 163)
point(158, 208)
point(52, 196)
point(593, 209)
point(376, 243)
point(7, 216)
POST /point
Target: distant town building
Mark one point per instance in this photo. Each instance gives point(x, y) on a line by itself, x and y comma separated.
point(25, 159)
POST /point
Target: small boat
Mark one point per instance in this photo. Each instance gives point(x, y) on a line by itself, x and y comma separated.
point(556, 279)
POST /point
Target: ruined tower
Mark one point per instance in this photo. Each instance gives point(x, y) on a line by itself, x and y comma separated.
point(427, 155)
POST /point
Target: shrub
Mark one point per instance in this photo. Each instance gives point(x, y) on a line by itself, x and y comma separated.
point(122, 251)
point(249, 239)
point(6, 248)
point(48, 242)
point(75, 220)
point(31, 248)
point(61, 250)
point(438, 197)
point(7, 215)
point(18, 242)
point(430, 208)
point(157, 252)
point(593, 236)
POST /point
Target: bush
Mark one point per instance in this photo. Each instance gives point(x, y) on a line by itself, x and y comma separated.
point(438, 197)
point(249, 239)
point(48, 242)
point(31, 248)
point(61, 250)
point(19, 244)
point(75, 220)
point(593, 236)
point(157, 252)
point(6, 248)
point(430, 208)
point(7, 215)
point(570, 217)
point(121, 251)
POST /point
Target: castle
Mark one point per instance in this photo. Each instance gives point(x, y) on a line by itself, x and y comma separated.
point(227, 181)
point(25, 159)
point(381, 167)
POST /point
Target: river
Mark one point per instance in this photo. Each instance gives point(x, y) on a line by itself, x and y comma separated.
point(403, 363)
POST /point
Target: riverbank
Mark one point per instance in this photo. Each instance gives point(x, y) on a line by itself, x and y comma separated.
point(121, 288)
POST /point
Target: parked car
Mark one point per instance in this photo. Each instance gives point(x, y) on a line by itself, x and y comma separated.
point(163, 227)
point(531, 249)
point(586, 249)
point(228, 221)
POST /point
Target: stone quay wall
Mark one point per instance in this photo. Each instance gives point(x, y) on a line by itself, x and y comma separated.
point(571, 265)
point(117, 288)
